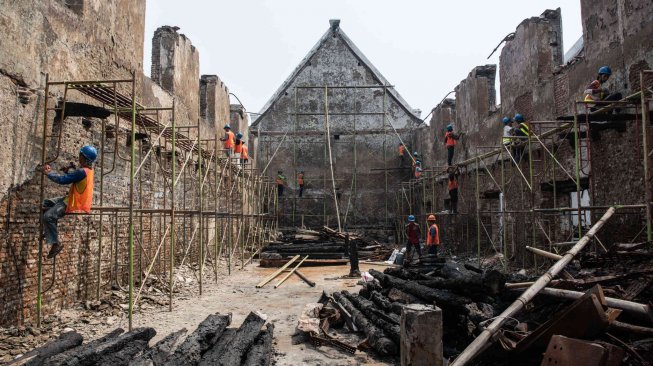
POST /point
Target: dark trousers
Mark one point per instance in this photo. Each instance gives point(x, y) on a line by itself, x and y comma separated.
point(432, 250)
point(56, 209)
point(280, 190)
point(453, 198)
point(610, 98)
point(301, 190)
point(402, 161)
point(409, 252)
point(450, 155)
point(518, 152)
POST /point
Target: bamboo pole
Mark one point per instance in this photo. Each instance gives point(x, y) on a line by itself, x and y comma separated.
point(328, 139)
point(290, 272)
point(544, 253)
point(277, 272)
point(481, 342)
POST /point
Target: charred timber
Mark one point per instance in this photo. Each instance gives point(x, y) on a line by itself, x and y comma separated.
point(93, 353)
point(242, 341)
point(375, 336)
point(389, 325)
point(442, 298)
point(38, 355)
point(261, 352)
point(161, 351)
point(206, 335)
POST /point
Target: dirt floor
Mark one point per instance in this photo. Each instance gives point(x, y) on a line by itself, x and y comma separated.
point(238, 295)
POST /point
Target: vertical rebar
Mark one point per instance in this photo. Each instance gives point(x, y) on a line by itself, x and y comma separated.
point(173, 184)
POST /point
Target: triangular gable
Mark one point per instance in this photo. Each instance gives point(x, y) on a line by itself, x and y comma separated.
point(357, 53)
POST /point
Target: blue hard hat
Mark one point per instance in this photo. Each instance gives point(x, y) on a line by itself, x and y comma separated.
point(89, 152)
point(506, 120)
point(449, 127)
point(415, 153)
point(239, 135)
point(519, 117)
point(605, 70)
point(411, 218)
point(227, 126)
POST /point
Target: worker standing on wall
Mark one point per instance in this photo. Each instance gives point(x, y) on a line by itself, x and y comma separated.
point(450, 139)
point(522, 132)
point(452, 185)
point(402, 155)
point(238, 146)
point(413, 234)
point(300, 182)
point(281, 183)
point(79, 198)
point(595, 90)
point(244, 157)
point(432, 236)
point(228, 140)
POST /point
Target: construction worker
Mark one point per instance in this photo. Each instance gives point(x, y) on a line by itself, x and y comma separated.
point(418, 169)
point(79, 198)
point(522, 131)
point(450, 142)
point(402, 155)
point(300, 182)
point(281, 183)
point(238, 145)
point(244, 157)
point(452, 185)
point(413, 234)
point(228, 140)
point(432, 236)
point(595, 90)
point(507, 131)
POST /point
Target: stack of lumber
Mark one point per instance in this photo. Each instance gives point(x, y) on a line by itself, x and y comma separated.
point(325, 247)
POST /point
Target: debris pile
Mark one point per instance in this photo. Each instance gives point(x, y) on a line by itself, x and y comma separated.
point(325, 247)
point(212, 343)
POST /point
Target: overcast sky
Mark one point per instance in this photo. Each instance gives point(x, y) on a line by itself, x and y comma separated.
point(424, 48)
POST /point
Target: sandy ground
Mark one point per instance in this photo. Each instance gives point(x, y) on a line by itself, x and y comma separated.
point(238, 295)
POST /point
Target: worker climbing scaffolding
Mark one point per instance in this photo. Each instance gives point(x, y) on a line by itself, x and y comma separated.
point(78, 200)
point(595, 91)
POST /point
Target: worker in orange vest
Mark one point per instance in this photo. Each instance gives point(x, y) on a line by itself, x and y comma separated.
point(453, 192)
point(300, 182)
point(228, 139)
point(238, 146)
point(450, 139)
point(402, 155)
point(432, 236)
point(244, 157)
point(79, 198)
point(418, 169)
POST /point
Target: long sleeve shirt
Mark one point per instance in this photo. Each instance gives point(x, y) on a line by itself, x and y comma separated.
point(74, 177)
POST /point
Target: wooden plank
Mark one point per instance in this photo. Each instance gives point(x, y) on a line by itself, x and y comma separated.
point(277, 272)
point(267, 263)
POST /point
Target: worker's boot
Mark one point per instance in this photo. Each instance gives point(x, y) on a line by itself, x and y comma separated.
point(55, 249)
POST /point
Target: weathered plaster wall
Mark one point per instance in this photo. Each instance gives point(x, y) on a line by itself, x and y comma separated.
point(214, 102)
point(358, 142)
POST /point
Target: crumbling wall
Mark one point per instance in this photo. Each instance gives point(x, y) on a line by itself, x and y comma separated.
point(535, 84)
point(214, 102)
point(175, 67)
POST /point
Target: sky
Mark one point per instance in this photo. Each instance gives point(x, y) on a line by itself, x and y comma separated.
point(423, 47)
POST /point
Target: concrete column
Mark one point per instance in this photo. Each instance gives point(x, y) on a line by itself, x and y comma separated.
point(421, 335)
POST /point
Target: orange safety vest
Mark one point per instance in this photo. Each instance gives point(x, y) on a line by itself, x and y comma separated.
point(453, 184)
point(238, 147)
point(300, 179)
point(245, 154)
point(229, 142)
point(418, 172)
point(448, 139)
point(402, 150)
point(80, 196)
point(433, 240)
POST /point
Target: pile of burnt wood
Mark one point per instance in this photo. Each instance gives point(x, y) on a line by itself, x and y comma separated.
point(212, 343)
point(598, 313)
point(324, 247)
